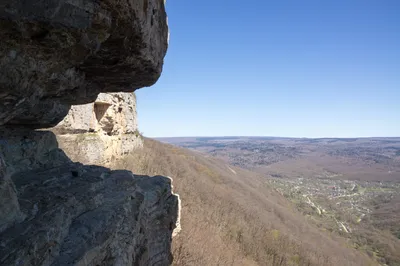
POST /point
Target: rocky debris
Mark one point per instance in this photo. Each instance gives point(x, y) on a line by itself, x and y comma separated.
point(108, 125)
point(62, 52)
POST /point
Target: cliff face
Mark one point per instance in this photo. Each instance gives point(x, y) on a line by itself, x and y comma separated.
point(55, 53)
point(53, 211)
point(108, 125)
point(110, 114)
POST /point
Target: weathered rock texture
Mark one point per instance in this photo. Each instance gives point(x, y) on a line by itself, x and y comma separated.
point(100, 132)
point(55, 212)
point(55, 53)
point(9, 207)
point(110, 114)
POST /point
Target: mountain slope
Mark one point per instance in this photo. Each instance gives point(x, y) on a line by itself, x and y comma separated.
point(231, 216)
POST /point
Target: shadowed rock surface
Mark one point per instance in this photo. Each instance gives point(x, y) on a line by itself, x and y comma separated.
point(55, 53)
point(55, 212)
point(89, 215)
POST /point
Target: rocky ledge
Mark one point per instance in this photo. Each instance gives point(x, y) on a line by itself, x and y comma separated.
point(56, 212)
point(54, 54)
point(89, 215)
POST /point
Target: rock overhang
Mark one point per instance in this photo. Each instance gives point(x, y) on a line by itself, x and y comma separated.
point(55, 53)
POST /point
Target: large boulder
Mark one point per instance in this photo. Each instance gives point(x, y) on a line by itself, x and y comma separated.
point(55, 53)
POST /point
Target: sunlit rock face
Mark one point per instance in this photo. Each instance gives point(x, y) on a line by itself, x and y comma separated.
point(110, 114)
point(101, 132)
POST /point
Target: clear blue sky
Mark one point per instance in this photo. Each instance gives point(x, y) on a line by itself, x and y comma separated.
point(293, 68)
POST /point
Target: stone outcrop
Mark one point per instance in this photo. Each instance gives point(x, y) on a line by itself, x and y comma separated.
point(110, 114)
point(53, 211)
point(55, 53)
point(108, 125)
point(56, 212)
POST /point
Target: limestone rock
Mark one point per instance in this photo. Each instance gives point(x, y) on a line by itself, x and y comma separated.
point(89, 215)
point(92, 148)
point(79, 119)
point(58, 53)
point(116, 113)
point(9, 207)
point(100, 132)
point(55, 212)
point(110, 114)
point(55, 53)
point(24, 150)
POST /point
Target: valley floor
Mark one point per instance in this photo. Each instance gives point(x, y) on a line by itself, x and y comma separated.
point(233, 216)
point(349, 189)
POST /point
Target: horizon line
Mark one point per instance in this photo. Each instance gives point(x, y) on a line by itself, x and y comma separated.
point(255, 136)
